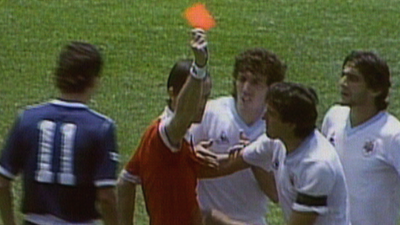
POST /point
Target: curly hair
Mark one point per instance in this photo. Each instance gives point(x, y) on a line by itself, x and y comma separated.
point(375, 72)
point(261, 63)
point(78, 64)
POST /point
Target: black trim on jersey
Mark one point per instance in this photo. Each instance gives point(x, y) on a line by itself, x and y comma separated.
point(308, 200)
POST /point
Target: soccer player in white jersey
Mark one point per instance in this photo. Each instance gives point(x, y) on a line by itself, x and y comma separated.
point(309, 177)
point(367, 139)
point(239, 195)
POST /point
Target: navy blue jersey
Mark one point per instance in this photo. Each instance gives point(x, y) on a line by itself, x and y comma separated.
point(64, 151)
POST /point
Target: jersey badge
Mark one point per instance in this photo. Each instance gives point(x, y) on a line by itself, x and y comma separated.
point(223, 138)
point(275, 165)
point(332, 138)
point(369, 147)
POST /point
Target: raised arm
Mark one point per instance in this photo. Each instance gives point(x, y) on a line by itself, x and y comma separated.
point(190, 95)
point(225, 163)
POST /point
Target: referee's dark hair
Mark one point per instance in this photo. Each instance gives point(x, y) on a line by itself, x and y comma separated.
point(296, 104)
point(178, 75)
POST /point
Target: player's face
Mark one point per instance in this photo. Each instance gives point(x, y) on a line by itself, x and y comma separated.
point(251, 91)
point(204, 97)
point(275, 127)
point(353, 88)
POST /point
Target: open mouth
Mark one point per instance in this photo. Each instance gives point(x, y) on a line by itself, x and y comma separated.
point(245, 99)
point(344, 94)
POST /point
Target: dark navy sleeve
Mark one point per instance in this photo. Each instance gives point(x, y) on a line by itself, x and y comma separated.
point(11, 157)
point(107, 157)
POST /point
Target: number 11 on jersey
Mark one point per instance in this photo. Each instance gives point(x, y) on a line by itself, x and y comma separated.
point(44, 172)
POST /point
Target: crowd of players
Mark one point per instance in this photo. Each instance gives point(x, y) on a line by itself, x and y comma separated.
point(211, 162)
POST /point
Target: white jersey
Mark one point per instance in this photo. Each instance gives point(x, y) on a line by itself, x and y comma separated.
point(370, 155)
point(309, 179)
point(238, 195)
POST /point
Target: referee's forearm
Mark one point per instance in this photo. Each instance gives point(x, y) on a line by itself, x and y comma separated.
point(126, 202)
point(107, 201)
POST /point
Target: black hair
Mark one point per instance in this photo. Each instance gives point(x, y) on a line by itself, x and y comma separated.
point(178, 75)
point(295, 104)
point(375, 72)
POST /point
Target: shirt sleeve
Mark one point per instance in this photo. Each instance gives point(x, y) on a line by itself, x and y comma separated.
point(263, 153)
point(314, 183)
point(132, 169)
point(326, 123)
point(164, 135)
point(393, 155)
point(107, 158)
point(12, 154)
point(126, 175)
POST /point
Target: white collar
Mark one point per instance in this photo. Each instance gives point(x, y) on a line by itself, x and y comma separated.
point(69, 104)
point(167, 113)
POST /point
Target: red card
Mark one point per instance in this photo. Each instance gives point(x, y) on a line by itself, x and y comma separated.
point(199, 17)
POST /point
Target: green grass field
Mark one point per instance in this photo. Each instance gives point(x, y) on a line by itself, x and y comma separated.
point(141, 39)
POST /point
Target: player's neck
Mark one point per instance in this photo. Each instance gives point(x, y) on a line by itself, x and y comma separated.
point(292, 143)
point(250, 116)
point(361, 114)
point(74, 97)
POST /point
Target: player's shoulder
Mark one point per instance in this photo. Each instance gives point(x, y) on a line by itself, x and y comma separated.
point(336, 115)
point(31, 111)
point(320, 150)
point(221, 103)
point(101, 117)
point(390, 125)
point(35, 108)
point(152, 131)
point(267, 144)
point(338, 111)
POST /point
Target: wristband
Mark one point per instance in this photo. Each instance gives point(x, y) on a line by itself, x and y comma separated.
point(198, 72)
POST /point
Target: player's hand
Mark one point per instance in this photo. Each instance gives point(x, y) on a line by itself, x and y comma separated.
point(243, 139)
point(198, 43)
point(204, 156)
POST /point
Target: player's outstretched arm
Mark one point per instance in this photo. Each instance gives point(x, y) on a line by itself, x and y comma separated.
point(6, 202)
point(190, 95)
point(126, 201)
point(225, 163)
point(107, 201)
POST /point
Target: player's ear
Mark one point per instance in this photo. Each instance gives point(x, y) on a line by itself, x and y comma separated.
point(171, 92)
point(292, 126)
point(375, 93)
point(96, 81)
